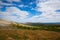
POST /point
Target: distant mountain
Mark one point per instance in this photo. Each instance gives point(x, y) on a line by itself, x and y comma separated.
point(41, 24)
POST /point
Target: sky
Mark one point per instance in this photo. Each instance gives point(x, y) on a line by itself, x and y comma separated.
point(43, 11)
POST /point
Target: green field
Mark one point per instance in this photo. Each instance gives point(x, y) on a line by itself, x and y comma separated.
point(40, 27)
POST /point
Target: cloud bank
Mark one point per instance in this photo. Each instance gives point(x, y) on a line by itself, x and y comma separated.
point(14, 14)
point(48, 9)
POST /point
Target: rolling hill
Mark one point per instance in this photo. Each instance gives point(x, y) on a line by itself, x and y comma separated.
point(15, 31)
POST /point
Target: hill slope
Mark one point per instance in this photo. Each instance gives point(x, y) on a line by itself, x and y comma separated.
point(16, 31)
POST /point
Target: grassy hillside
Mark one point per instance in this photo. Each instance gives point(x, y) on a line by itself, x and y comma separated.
point(31, 26)
point(16, 31)
point(29, 35)
point(48, 27)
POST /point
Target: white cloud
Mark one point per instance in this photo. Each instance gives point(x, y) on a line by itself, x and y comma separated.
point(22, 5)
point(13, 0)
point(13, 10)
point(31, 3)
point(48, 10)
point(16, 0)
point(10, 3)
point(22, 14)
point(1, 6)
point(7, 4)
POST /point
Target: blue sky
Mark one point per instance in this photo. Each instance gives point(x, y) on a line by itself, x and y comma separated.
point(30, 10)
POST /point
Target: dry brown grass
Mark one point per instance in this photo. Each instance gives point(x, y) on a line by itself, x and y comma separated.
point(9, 32)
point(20, 34)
